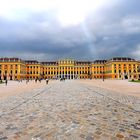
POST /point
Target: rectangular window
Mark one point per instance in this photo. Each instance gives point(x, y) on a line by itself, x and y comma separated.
point(5, 66)
point(119, 71)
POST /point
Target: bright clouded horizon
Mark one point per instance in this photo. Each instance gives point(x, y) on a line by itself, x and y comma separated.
point(55, 29)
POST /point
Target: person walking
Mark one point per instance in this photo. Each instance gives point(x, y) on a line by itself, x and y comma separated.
point(6, 82)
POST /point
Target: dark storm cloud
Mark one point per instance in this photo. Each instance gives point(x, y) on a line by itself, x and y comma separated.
point(110, 31)
point(117, 30)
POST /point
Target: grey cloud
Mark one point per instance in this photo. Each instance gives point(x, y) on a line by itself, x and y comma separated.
point(110, 31)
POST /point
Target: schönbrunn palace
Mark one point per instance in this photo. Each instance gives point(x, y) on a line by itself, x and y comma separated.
point(115, 68)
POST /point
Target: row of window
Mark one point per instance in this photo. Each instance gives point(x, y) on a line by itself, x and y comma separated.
point(32, 67)
point(66, 68)
point(11, 66)
point(124, 65)
point(51, 72)
point(32, 72)
point(96, 67)
point(120, 71)
point(98, 72)
point(11, 72)
point(66, 62)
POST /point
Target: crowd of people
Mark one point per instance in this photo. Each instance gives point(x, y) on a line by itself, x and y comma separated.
point(36, 80)
point(27, 81)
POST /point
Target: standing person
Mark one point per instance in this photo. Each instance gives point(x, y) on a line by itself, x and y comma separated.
point(47, 81)
point(27, 81)
point(6, 82)
point(40, 80)
point(36, 80)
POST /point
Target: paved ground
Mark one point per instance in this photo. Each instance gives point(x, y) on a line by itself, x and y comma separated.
point(120, 86)
point(14, 88)
point(70, 110)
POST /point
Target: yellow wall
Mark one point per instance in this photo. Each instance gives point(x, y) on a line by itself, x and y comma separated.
point(34, 71)
point(122, 70)
point(12, 70)
point(98, 71)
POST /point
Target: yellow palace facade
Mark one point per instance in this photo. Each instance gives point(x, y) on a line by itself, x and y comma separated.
point(115, 68)
point(12, 68)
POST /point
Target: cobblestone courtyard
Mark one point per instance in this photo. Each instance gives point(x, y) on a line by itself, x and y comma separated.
point(70, 110)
